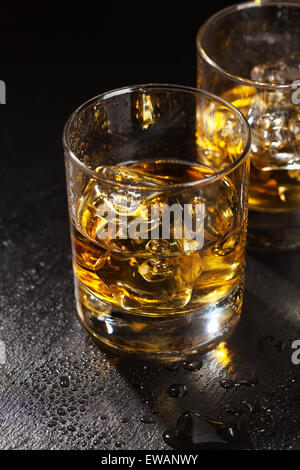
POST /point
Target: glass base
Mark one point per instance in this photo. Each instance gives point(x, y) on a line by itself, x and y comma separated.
point(273, 230)
point(164, 338)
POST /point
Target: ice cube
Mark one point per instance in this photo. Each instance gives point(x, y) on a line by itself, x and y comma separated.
point(272, 123)
point(279, 138)
point(218, 136)
point(221, 215)
point(159, 283)
point(157, 269)
point(162, 247)
point(281, 72)
point(221, 211)
point(294, 126)
point(282, 156)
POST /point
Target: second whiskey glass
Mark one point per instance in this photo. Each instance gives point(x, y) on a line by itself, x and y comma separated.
point(250, 55)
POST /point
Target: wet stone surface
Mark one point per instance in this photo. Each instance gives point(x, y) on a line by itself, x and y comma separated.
point(60, 391)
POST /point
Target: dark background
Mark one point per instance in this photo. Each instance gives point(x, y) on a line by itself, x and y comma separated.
point(53, 58)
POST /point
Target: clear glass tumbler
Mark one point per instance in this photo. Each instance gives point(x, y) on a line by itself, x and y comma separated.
point(157, 180)
point(250, 55)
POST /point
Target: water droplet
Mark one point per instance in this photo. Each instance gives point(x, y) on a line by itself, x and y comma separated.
point(172, 367)
point(253, 407)
point(146, 401)
point(227, 384)
point(119, 444)
point(177, 390)
point(249, 378)
point(147, 419)
point(261, 431)
point(64, 381)
point(61, 411)
point(197, 432)
point(138, 385)
point(52, 423)
point(193, 365)
point(235, 411)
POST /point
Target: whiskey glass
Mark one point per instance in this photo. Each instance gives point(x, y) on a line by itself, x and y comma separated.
point(157, 182)
point(249, 54)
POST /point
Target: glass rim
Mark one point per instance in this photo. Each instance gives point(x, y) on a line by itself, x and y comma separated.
point(224, 12)
point(163, 87)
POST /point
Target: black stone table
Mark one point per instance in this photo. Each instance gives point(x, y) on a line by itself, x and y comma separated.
point(59, 391)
